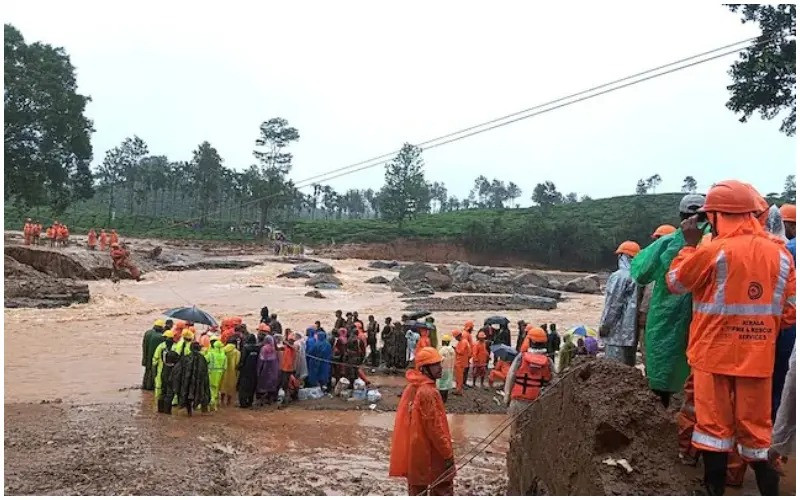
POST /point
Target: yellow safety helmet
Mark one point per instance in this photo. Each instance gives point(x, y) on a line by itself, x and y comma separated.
point(167, 334)
point(187, 334)
point(160, 322)
point(446, 338)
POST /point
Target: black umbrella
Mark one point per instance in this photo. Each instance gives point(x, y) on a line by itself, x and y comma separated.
point(416, 325)
point(192, 314)
point(497, 320)
point(418, 315)
point(504, 352)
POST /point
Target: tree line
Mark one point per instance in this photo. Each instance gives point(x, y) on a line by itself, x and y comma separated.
point(48, 150)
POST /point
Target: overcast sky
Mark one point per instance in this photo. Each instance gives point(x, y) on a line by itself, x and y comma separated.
point(360, 78)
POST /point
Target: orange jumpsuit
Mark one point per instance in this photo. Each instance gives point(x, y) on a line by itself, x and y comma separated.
point(92, 239)
point(103, 241)
point(424, 341)
point(26, 233)
point(114, 237)
point(499, 372)
point(463, 355)
point(480, 360)
point(421, 442)
point(120, 258)
point(743, 293)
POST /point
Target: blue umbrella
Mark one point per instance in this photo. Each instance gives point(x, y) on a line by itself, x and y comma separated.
point(504, 352)
point(192, 314)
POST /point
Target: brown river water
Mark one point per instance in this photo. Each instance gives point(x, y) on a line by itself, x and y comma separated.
point(86, 359)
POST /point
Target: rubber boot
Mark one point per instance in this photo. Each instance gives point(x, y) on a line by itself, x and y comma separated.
point(716, 464)
point(767, 478)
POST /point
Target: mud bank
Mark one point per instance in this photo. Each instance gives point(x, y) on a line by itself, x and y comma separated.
point(600, 410)
point(126, 449)
point(27, 287)
point(438, 252)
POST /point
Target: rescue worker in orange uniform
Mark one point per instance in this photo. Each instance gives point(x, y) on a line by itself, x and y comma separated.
point(26, 232)
point(469, 326)
point(422, 449)
point(531, 334)
point(499, 371)
point(120, 257)
point(114, 237)
point(743, 291)
point(91, 240)
point(424, 340)
point(480, 360)
point(103, 240)
point(463, 355)
point(63, 235)
point(529, 372)
point(789, 214)
point(49, 235)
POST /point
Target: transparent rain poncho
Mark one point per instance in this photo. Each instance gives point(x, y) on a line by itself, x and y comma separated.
point(619, 312)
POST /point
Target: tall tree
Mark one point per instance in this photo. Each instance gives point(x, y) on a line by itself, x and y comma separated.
point(764, 77)
point(120, 168)
point(47, 146)
point(790, 189)
point(641, 187)
point(545, 194)
point(653, 182)
point(689, 184)
point(271, 188)
point(513, 192)
point(208, 172)
point(406, 193)
point(571, 198)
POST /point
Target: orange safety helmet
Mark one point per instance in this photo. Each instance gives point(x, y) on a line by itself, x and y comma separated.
point(630, 248)
point(469, 324)
point(734, 197)
point(663, 230)
point(788, 212)
point(263, 327)
point(536, 334)
point(427, 356)
point(456, 332)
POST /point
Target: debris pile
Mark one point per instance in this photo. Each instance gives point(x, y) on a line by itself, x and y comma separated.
point(598, 431)
point(27, 287)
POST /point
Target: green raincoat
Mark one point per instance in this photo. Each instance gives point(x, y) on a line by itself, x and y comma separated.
point(217, 362)
point(667, 326)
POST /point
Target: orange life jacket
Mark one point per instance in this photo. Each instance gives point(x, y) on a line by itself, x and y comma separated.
point(533, 372)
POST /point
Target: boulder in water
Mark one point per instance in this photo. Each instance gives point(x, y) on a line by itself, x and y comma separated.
point(584, 284)
point(377, 280)
point(294, 275)
point(315, 294)
point(324, 278)
point(315, 267)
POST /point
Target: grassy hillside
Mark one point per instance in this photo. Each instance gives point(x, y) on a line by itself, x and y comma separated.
point(577, 235)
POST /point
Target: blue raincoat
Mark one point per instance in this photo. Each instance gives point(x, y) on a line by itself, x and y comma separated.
point(319, 371)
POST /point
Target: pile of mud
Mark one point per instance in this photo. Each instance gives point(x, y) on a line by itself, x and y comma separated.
point(599, 410)
point(27, 287)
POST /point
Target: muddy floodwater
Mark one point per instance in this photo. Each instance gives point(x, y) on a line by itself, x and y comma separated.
point(75, 421)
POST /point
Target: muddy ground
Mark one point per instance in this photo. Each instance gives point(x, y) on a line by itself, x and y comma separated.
point(99, 434)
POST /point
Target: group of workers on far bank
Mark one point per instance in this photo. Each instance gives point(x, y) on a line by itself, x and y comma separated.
point(58, 236)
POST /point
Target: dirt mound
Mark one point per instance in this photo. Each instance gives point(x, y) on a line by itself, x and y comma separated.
point(209, 264)
point(53, 263)
point(599, 410)
point(482, 302)
point(27, 287)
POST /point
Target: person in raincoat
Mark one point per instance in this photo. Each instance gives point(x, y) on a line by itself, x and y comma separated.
point(339, 352)
point(311, 339)
point(422, 449)
point(268, 372)
point(399, 348)
point(227, 387)
point(300, 364)
point(567, 353)
point(248, 372)
point(103, 240)
point(353, 358)
point(217, 364)
point(412, 338)
point(287, 365)
point(183, 346)
point(322, 353)
point(463, 355)
point(447, 381)
point(91, 239)
point(783, 431)
point(190, 381)
point(618, 321)
point(666, 328)
point(480, 360)
point(151, 340)
point(529, 372)
point(161, 379)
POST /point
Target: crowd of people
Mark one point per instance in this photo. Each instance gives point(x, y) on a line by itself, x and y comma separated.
point(710, 306)
point(57, 234)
